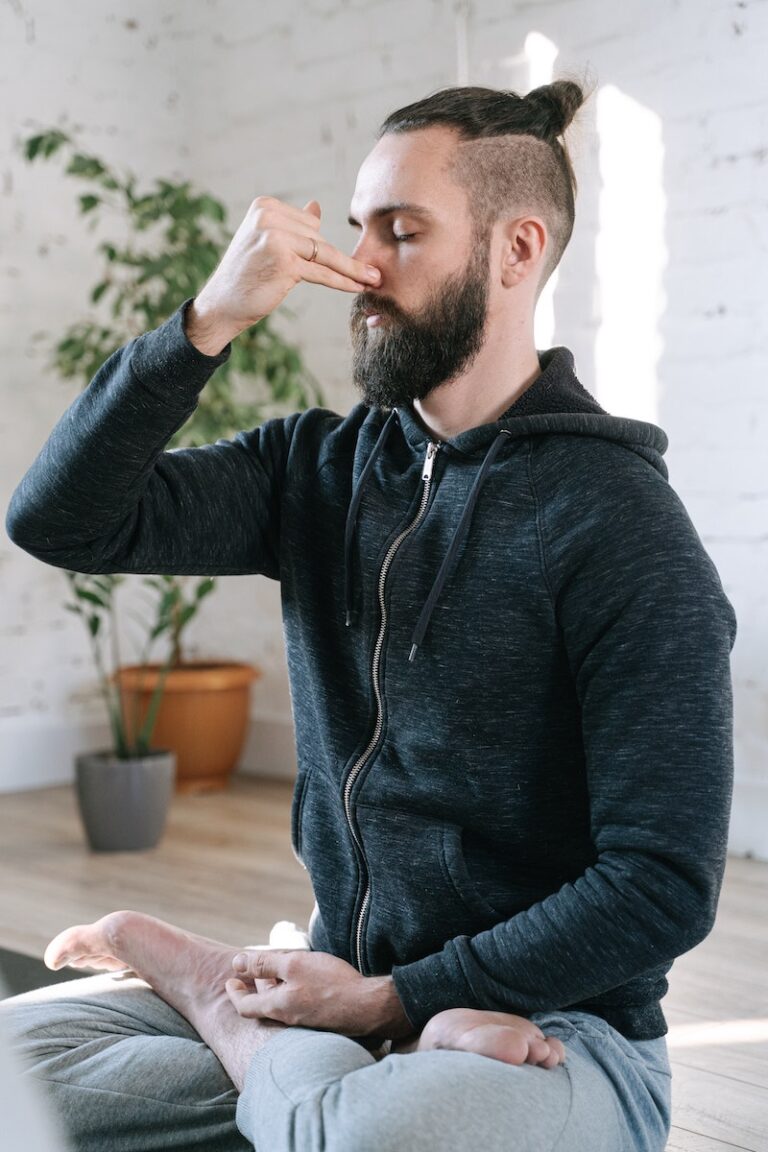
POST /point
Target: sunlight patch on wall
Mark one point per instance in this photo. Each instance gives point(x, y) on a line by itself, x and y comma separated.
point(541, 54)
point(630, 255)
point(462, 42)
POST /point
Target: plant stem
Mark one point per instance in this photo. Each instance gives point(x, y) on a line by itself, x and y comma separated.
point(112, 699)
point(154, 705)
point(143, 660)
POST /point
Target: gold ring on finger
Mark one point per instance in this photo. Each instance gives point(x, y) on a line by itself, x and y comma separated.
point(314, 251)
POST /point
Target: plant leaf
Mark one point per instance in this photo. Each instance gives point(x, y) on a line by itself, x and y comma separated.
point(91, 597)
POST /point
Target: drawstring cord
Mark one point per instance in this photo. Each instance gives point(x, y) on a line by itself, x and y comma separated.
point(451, 556)
point(354, 506)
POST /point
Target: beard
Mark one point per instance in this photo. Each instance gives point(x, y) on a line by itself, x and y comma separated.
point(409, 354)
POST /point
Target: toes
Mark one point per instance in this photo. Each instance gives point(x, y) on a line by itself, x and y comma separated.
point(495, 1040)
point(61, 949)
point(538, 1051)
point(81, 946)
point(547, 1053)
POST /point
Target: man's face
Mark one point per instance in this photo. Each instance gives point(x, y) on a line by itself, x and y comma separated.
point(429, 313)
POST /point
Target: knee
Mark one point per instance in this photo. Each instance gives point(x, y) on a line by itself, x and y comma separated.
point(18, 1019)
point(30, 1033)
point(417, 1101)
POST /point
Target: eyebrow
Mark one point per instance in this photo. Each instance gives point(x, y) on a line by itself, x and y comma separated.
point(389, 209)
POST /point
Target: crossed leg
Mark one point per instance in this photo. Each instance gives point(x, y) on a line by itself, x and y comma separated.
point(295, 1088)
point(189, 973)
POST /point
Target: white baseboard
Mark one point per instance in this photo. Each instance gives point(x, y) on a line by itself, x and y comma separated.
point(748, 834)
point(43, 755)
point(270, 749)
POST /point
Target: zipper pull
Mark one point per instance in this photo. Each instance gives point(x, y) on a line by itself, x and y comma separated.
point(429, 460)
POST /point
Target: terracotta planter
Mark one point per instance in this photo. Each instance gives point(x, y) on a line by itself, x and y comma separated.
point(203, 716)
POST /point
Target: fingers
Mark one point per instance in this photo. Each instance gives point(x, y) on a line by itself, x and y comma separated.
point(265, 985)
point(315, 272)
point(242, 997)
point(261, 964)
point(269, 207)
point(252, 1005)
point(330, 266)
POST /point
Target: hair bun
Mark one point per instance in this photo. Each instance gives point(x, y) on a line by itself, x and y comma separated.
point(553, 107)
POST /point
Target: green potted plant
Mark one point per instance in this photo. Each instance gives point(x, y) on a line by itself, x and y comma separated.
point(123, 791)
point(172, 237)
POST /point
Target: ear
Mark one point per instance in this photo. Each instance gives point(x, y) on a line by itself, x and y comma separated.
point(524, 243)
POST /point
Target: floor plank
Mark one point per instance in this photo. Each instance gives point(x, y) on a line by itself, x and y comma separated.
point(680, 1140)
point(224, 868)
point(720, 1106)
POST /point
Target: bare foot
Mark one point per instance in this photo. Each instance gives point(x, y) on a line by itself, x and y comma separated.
point(500, 1035)
point(188, 971)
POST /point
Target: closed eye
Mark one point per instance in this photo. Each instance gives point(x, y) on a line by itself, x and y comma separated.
point(398, 237)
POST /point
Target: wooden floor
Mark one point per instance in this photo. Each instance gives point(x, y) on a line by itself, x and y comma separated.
point(226, 869)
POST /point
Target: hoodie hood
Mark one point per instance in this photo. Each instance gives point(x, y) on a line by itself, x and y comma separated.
point(555, 403)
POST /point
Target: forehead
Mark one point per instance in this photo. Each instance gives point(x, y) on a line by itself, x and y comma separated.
point(409, 168)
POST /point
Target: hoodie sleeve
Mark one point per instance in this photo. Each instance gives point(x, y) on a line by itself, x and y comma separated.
point(648, 632)
point(104, 496)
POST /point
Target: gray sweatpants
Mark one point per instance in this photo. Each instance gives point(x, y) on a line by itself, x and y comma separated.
point(127, 1073)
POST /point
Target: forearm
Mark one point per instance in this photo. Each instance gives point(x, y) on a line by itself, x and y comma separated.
point(567, 949)
point(91, 472)
point(388, 1017)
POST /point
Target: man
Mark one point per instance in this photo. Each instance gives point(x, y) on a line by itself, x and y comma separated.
point(509, 660)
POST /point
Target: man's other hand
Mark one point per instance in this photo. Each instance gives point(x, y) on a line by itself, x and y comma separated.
point(315, 990)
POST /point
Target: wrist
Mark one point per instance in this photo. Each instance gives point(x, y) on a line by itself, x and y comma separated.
point(206, 330)
point(388, 1015)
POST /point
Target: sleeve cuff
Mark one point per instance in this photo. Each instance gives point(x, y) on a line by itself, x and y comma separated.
point(432, 984)
point(169, 364)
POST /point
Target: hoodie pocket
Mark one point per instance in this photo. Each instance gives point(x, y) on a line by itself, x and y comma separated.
point(457, 872)
point(421, 894)
point(297, 807)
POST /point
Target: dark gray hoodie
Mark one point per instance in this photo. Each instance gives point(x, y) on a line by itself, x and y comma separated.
point(509, 667)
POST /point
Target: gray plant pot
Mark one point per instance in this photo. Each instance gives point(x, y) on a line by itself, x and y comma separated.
point(124, 803)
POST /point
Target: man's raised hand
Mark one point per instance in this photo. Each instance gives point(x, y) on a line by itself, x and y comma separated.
point(270, 254)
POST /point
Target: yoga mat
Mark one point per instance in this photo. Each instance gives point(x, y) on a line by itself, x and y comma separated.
point(20, 973)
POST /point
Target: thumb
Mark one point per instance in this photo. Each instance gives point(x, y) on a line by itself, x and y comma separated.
point(312, 206)
point(259, 964)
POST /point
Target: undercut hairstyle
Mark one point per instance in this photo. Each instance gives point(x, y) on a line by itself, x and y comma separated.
point(509, 158)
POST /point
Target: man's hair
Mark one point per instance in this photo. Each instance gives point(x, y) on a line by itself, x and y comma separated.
point(509, 158)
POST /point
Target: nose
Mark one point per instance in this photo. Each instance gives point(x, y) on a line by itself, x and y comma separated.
point(367, 251)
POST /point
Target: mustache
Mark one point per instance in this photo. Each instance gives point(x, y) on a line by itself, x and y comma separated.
point(365, 303)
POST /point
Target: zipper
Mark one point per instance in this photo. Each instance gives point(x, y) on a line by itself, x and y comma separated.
point(426, 476)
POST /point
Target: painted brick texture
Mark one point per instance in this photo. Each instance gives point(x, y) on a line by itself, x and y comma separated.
point(284, 98)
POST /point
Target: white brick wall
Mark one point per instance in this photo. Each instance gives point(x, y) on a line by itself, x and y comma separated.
point(284, 99)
